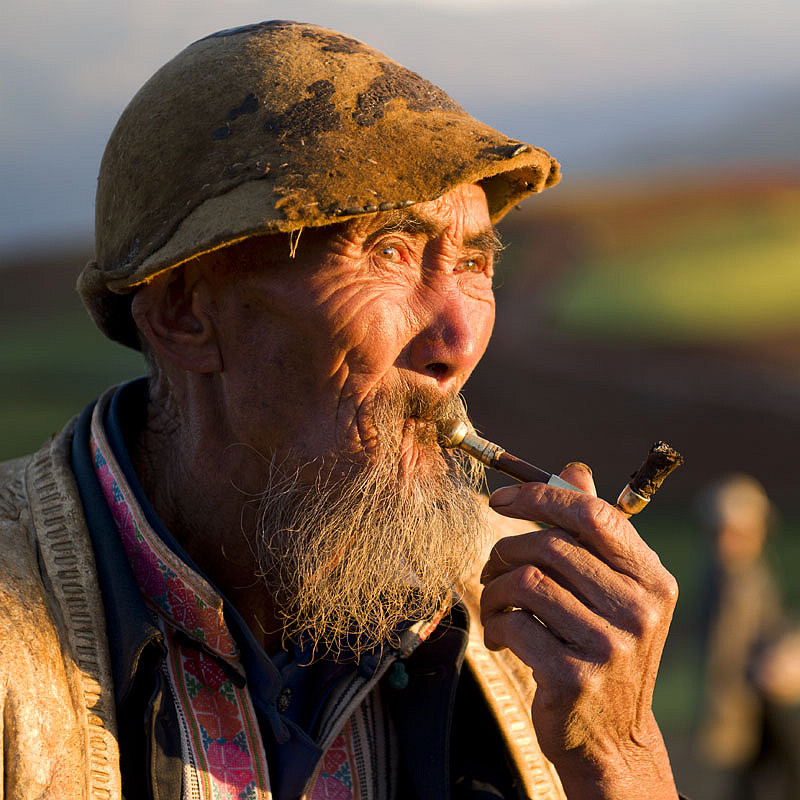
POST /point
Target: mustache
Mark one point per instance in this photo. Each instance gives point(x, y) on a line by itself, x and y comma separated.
point(425, 407)
point(427, 404)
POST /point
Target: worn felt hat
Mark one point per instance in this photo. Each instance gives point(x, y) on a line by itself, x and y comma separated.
point(271, 128)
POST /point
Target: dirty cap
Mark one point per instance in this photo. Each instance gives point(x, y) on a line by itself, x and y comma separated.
point(271, 128)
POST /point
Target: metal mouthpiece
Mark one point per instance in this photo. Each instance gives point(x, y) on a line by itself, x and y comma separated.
point(452, 432)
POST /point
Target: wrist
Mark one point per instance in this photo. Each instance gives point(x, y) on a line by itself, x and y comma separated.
point(636, 769)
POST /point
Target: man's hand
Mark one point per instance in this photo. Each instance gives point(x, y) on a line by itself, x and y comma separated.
point(587, 605)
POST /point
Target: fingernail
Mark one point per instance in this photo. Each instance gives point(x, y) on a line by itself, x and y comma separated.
point(579, 465)
point(504, 497)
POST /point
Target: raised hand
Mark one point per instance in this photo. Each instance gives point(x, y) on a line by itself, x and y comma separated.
point(587, 605)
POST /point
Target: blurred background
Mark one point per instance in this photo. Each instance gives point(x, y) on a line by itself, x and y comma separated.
point(654, 294)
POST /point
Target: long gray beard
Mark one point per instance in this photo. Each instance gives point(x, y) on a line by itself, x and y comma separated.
point(351, 557)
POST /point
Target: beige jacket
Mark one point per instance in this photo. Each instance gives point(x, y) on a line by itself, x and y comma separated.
point(57, 726)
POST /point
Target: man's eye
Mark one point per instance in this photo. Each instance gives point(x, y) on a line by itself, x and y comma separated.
point(389, 252)
point(478, 264)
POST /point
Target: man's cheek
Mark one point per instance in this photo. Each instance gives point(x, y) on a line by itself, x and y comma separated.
point(484, 324)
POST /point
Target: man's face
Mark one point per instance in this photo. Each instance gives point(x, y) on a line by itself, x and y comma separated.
point(392, 301)
point(336, 364)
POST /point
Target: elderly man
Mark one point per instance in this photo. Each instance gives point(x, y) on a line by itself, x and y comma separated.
point(255, 573)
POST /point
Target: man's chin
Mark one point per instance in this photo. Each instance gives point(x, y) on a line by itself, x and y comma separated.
point(352, 559)
point(380, 532)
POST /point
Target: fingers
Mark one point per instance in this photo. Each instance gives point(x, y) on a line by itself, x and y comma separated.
point(576, 473)
point(531, 590)
point(592, 553)
point(598, 526)
point(558, 607)
point(559, 556)
point(580, 476)
point(526, 637)
point(587, 605)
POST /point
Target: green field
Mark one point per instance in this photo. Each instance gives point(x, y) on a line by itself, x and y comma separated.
point(720, 277)
point(51, 367)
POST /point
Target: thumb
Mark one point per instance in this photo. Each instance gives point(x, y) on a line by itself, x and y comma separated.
point(580, 476)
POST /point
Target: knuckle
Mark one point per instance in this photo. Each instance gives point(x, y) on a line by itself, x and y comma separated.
point(669, 590)
point(575, 681)
point(662, 588)
point(597, 515)
point(551, 543)
point(647, 619)
point(623, 648)
point(526, 579)
point(591, 682)
point(611, 647)
point(607, 646)
point(581, 680)
point(652, 619)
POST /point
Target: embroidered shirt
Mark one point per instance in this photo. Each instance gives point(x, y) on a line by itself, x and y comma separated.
point(227, 690)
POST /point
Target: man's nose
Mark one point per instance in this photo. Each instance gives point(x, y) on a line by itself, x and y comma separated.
point(447, 347)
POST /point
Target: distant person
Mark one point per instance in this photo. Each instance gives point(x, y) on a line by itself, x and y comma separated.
point(750, 726)
point(256, 573)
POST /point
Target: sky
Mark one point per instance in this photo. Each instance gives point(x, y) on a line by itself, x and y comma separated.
point(598, 82)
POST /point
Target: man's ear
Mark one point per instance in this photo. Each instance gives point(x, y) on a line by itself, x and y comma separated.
point(173, 312)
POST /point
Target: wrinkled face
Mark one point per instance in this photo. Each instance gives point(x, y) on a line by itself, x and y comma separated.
point(391, 300)
point(335, 365)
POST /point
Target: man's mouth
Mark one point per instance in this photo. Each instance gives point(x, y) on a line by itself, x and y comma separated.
point(402, 425)
point(424, 430)
point(420, 448)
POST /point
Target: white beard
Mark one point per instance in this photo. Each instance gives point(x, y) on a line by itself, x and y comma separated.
point(351, 557)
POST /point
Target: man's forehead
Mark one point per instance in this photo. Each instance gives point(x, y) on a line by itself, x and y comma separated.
point(463, 208)
point(428, 220)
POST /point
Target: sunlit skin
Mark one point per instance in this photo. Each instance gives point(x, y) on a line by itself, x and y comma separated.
point(302, 344)
point(271, 354)
point(605, 603)
point(354, 312)
point(284, 355)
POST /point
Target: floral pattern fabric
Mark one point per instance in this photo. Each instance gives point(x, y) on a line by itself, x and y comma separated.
point(335, 774)
point(221, 739)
